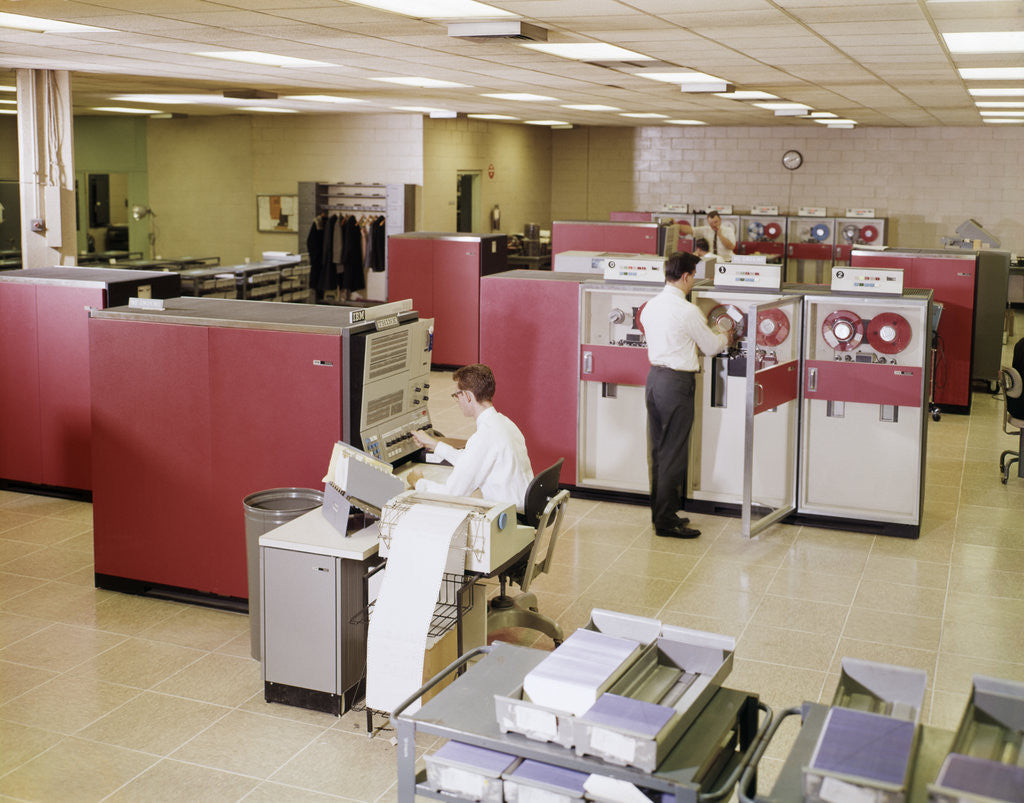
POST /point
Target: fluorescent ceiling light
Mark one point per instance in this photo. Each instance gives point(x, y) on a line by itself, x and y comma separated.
point(546, 122)
point(590, 107)
point(995, 104)
point(822, 114)
point(992, 73)
point(991, 92)
point(985, 42)
point(257, 57)
point(274, 109)
point(524, 96)
point(783, 106)
point(678, 76)
point(40, 25)
point(791, 113)
point(124, 110)
point(436, 9)
point(986, 120)
point(443, 114)
point(422, 83)
point(492, 116)
point(837, 121)
point(420, 109)
point(746, 94)
point(8, 111)
point(646, 115)
point(840, 125)
point(8, 102)
point(177, 99)
point(8, 89)
point(686, 122)
point(589, 51)
point(323, 99)
point(1001, 113)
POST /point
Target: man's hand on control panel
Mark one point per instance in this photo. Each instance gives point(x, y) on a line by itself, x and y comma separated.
point(424, 440)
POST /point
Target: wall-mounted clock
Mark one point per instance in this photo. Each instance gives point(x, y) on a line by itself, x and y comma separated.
point(791, 160)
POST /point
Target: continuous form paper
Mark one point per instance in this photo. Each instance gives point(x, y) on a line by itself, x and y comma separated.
point(397, 636)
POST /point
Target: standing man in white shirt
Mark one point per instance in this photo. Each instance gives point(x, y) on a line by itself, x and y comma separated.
point(720, 236)
point(675, 329)
point(494, 460)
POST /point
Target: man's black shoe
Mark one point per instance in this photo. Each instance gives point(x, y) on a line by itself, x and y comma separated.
point(678, 531)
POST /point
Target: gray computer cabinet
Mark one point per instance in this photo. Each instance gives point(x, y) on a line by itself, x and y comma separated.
point(314, 628)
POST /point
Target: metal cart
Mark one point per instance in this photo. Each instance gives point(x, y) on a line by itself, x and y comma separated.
point(703, 766)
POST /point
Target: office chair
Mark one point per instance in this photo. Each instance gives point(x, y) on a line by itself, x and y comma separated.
point(1012, 387)
point(543, 510)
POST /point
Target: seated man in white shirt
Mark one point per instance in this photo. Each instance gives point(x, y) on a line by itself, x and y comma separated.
point(720, 236)
point(494, 460)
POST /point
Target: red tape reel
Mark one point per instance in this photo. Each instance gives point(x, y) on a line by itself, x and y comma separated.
point(728, 318)
point(843, 330)
point(772, 230)
point(772, 327)
point(889, 333)
point(869, 233)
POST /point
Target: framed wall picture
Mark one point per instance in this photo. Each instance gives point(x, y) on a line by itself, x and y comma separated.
point(277, 213)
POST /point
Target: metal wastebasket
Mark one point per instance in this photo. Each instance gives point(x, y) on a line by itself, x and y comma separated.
point(264, 511)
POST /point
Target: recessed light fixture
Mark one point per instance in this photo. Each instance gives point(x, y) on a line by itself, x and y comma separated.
point(523, 96)
point(124, 110)
point(546, 122)
point(270, 109)
point(422, 83)
point(686, 122)
point(323, 99)
point(783, 106)
point(8, 111)
point(746, 94)
point(676, 76)
point(6, 102)
point(40, 25)
point(435, 9)
point(1002, 120)
point(176, 99)
point(645, 115)
point(590, 107)
point(588, 51)
point(443, 114)
point(985, 42)
point(840, 125)
point(995, 92)
point(257, 57)
point(822, 115)
point(992, 73)
point(1000, 113)
point(8, 88)
point(999, 104)
point(492, 116)
point(419, 109)
point(836, 121)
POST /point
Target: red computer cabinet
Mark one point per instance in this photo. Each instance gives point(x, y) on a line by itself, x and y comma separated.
point(952, 276)
point(45, 430)
point(441, 273)
point(188, 420)
point(529, 335)
point(592, 235)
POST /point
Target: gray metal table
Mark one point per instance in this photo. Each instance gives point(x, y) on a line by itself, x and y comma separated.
point(464, 711)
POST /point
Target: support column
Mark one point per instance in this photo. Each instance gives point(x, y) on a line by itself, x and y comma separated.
point(46, 168)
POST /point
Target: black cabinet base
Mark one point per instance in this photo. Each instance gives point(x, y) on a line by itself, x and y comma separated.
point(311, 699)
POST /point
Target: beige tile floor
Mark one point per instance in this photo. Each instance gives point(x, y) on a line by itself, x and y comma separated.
point(105, 696)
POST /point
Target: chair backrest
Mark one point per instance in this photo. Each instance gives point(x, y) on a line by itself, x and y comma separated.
point(540, 491)
point(1010, 381)
point(548, 528)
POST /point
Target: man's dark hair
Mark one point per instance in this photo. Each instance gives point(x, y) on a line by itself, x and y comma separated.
point(680, 263)
point(477, 378)
point(713, 213)
point(701, 243)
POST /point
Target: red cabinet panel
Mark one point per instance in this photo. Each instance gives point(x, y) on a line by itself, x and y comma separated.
point(64, 383)
point(530, 338)
point(411, 273)
point(20, 452)
point(265, 432)
point(152, 479)
point(456, 302)
point(584, 235)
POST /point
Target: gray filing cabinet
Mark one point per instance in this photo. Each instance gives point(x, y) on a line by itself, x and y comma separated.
point(313, 598)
